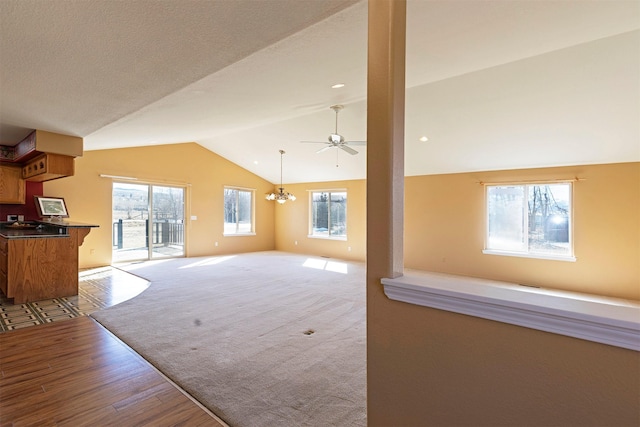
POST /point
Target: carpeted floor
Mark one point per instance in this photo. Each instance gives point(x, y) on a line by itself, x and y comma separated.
point(261, 339)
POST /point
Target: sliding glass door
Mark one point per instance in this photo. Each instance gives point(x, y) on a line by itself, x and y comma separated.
point(148, 221)
point(167, 222)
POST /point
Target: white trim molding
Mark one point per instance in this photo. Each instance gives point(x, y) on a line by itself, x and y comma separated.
point(604, 320)
point(569, 258)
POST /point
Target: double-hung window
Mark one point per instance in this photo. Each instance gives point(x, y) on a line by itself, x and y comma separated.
point(328, 214)
point(238, 211)
point(530, 220)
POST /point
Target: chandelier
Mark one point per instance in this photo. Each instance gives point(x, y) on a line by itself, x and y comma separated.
point(281, 196)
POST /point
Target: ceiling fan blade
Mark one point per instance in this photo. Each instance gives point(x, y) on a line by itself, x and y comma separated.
point(313, 142)
point(336, 140)
point(348, 149)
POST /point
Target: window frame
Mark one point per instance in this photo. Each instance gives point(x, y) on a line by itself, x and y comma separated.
point(311, 234)
point(237, 233)
point(570, 256)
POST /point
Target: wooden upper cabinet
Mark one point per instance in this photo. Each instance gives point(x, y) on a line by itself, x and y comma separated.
point(12, 186)
point(47, 167)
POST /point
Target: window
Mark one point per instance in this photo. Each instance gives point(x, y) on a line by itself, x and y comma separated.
point(530, 220)
point(238, 211)
point(329, 214)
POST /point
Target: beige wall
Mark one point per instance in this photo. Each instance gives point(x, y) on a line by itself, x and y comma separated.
point(444, 229)
point(444, 217)
point(204, 175)
point(292, 222)
point(432, 367)
point(429, 367)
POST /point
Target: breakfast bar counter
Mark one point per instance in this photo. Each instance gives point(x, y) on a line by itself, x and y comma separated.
point(39, 259)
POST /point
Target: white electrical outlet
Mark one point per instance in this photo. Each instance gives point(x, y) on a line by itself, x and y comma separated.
point(216, 243)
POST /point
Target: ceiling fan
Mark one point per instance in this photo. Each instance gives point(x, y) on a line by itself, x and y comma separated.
point(336, 140)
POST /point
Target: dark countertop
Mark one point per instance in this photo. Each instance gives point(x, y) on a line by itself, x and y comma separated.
point(69, 224)
point(40, 229)
point(29, 233)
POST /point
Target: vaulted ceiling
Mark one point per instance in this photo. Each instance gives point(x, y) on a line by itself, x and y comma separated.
point(493, 84)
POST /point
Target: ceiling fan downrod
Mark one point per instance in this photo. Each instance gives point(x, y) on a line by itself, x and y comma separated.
point(337, 109)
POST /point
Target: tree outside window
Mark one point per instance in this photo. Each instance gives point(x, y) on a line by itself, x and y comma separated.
point(530, 219)
point(329, 214)
point(238, 211)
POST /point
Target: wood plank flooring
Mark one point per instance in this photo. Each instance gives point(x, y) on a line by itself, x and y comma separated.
point(76, 373)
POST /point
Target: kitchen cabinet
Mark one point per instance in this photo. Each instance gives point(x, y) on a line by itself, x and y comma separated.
point(34, 268)
point(4, 245)
point(37, 269)
point(12, 186)
point(48, 166)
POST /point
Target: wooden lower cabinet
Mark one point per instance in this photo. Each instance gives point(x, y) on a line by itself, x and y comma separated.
point(4, 243)
point(40, 268)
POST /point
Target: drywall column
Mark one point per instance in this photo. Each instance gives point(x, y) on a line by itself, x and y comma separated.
point(385, 177)
point(385, 136)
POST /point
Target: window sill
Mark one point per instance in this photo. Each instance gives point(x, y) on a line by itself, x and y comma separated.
point(604, 320)
point(238, 234)
point(311, 236)
point(529, 255)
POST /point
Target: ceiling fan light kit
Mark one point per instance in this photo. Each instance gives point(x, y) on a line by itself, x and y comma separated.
point(281, 196)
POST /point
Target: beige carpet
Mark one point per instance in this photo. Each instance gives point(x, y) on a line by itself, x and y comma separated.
point(261, 339)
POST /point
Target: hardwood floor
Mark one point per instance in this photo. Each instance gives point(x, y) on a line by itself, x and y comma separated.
point(76, 373)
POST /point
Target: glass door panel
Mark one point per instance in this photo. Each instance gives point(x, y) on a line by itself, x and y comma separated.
point(130, 207)
point(137, 235)
point(167, 228)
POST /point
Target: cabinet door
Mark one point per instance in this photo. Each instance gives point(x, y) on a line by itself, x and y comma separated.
point(47, 167)
point(4, 249)
point(12, 187)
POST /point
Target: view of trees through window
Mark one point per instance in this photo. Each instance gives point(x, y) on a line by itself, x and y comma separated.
point(534, 218)
point(329, 214)
point(131, 201)
point(238, 211)
point(148, 220)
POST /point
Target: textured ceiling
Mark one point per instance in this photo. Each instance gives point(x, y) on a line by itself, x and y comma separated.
point(245, 78)
point(78, 65)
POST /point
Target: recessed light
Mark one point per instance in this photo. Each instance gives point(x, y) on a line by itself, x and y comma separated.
point(255, 162)
point(424, 139)
point(337, 86)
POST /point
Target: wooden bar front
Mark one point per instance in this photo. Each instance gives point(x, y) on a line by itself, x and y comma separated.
point(42, 268)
